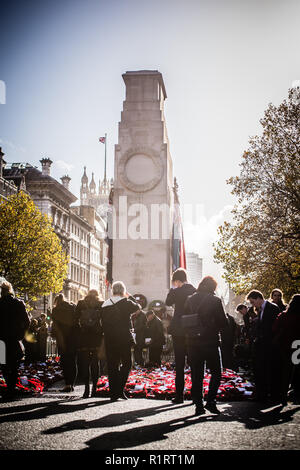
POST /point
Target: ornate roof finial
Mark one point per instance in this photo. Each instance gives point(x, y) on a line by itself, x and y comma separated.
point(84, 178)
point(175, 189)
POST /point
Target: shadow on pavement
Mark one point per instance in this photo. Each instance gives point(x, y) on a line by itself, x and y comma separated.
point(43, 410)
point(252, 418)
point(111, 420)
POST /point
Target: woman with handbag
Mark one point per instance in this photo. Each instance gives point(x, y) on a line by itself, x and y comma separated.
point(64, 331)
point(203, 320)
point(116, 321)
point(90, 337)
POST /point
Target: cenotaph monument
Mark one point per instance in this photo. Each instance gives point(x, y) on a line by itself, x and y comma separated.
point(143, 194)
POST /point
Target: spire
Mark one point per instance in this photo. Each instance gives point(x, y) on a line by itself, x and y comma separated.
point(92, 184)
point(84, 179)
point(175, 189)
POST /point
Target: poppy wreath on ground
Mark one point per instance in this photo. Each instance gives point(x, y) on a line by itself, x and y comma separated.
point(160, 384)
point(36, 377)
point(142, 383)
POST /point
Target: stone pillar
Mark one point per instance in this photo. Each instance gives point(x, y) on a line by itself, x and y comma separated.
point(143, 175)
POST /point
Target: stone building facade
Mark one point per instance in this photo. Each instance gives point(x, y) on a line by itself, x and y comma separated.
point(194, 267)
point(82, 234)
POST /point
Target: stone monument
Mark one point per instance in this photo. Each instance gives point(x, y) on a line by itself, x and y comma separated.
point(143, 195)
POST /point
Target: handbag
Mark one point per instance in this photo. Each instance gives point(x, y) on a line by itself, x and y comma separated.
point(189, 321)
point(193, 324)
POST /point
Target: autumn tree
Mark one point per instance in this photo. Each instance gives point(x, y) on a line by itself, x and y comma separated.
point(31, 254)
point(261, 247)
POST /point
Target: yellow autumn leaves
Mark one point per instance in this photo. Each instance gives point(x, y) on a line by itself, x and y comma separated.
point(31, 254)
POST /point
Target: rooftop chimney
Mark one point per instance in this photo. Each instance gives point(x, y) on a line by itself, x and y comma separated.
point(65, 181)
point(46, 163)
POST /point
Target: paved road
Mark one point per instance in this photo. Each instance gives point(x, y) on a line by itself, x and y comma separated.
point(61, 421)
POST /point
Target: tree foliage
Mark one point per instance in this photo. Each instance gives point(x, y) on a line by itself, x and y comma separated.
point(31, 254)
point(260, 248)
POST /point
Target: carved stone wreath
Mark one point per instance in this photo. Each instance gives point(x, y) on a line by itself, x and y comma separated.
point(158, 169)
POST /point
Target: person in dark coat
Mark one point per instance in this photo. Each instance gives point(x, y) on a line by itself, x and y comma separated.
point(65, 333)
point(90, 336)
point(204, 342)
point(139, 325)
point(42, 336)
point(14, 321)
point(30, 342)
point(286, 330)
point(276, 297)
point(155, 332)
point(228, 338)
point(176, 297)
point(116, 321)
point(265, 354)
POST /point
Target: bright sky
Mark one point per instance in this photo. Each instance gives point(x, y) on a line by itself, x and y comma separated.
point(222, 62)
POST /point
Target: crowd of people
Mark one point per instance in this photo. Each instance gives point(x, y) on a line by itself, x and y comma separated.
point(96, 337)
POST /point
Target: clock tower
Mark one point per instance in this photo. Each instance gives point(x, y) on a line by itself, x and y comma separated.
point(143, 196)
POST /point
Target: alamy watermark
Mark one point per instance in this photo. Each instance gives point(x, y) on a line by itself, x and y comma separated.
point(2, 353)
point(296, 354)
point(2, 92)
point(150, 221)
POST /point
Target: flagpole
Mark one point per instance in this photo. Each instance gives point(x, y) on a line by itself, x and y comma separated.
point(105, 160)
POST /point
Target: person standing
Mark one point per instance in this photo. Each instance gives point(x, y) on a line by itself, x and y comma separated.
point(116, 321)
point(42, 335)
point(228, 338)
point(63, 329)
point(176, 297)
point(14, 321)
point(277, 298)
point(139, 325)
point(264, 352)
point(286, 330)
point(204, 342)
point(155, 331)
point(30, 342)
point(90, 332)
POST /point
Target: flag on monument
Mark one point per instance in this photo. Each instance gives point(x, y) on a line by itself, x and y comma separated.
point(178, 249)
point(109, 242)
point(102, 140)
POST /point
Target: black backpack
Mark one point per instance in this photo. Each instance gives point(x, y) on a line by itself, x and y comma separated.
point(89, 318)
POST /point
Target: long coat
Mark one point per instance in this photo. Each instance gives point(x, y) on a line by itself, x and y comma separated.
point(14, 321)
point(64, 327)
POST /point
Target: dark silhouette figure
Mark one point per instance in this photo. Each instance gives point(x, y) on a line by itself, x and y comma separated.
point(88, 319)
point(139, 326)
point(264, 353)
point(66, 335)
point(14, 322)
point(204, 342)
point(228, 338)
point(116, 321)
point(155, 332)
point(177, 296)
point(286, 330)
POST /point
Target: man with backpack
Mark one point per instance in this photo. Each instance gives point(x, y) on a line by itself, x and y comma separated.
point(116, 322)
point(88, 320)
